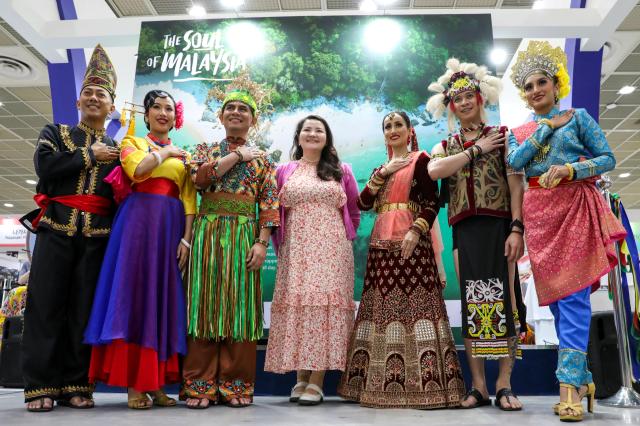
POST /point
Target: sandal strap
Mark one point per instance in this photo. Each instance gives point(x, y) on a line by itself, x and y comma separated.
point(505, 392)
point(316, 388)
point(474, 393)
point(577, 407)
point(299, 385)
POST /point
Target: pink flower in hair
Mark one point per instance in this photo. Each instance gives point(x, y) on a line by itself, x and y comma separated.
point(179, 114)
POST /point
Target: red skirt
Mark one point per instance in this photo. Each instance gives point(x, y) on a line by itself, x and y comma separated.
point(571, 235)
point(132, 366)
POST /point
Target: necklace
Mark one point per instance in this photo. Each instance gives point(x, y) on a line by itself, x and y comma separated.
point(313, 163)
point(472, 127)
point(473, 140)
point(156, 144)
point(403, 156)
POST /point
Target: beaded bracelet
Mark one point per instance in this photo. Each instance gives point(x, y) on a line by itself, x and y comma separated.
point(239, 154)
point(518, 223)
point(263, 242)
point(185, 243)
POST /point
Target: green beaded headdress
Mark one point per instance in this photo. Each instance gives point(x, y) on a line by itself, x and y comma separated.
point(243, 89)
point(241, 96)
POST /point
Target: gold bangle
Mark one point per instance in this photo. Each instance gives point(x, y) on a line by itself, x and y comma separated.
point(571, 171)
point(547, 122)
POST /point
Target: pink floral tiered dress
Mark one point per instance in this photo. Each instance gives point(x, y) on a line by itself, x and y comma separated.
point(312, 312)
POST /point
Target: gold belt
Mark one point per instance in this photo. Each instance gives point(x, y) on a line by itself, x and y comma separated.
point(414, 207)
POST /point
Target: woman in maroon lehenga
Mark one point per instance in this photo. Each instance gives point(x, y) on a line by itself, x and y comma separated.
point(401, 351)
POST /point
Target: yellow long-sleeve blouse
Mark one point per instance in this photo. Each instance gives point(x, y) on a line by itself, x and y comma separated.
point(134, 149)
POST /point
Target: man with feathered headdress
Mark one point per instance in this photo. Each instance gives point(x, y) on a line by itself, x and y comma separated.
point(485, 213)
point(224, 302)
point(73, 223)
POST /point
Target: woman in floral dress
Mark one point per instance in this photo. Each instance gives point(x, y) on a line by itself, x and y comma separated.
point(312, 310)
point(401, 352)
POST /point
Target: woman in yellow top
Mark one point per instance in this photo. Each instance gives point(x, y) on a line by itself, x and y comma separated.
point(138, 320)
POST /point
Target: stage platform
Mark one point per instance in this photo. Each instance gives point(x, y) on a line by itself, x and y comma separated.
point(111, 410)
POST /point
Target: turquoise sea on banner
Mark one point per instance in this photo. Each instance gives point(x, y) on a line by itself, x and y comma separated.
point(319, 65)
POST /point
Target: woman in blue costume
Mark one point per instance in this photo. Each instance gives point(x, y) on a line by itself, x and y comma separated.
point(138, 322)
point(571, 232)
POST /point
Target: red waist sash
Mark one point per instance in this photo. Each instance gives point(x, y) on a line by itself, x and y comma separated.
point(86, 202)
point(158, 186)
point(534, 182)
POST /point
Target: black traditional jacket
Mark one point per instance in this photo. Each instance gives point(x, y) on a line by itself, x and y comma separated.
point(66, 165)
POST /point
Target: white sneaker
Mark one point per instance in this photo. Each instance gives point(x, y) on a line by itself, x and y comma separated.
point(311, 399)
point(297, 391)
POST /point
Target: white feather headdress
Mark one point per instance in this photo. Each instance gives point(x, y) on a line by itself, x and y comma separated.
point(461, 77)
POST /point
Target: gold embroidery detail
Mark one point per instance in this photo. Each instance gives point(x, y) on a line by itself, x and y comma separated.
point(37, 393)
point(90, 131)
point(535, 143)
point(387, 207)
point(70, 229)
point(86, 158)
point(78, 388)
point(66, 137)
point(48, 143)
point(592, 167)
point(542, 154)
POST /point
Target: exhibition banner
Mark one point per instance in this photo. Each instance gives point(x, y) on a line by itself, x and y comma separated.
point(351, 70)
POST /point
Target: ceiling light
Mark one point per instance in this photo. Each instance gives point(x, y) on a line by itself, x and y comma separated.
point(197, 11)
point(386, 2)
point(31, 181)
point(625, 175)
point(246, 39)
point(382, 35)
point(8, 205)
point(498, 56)
point(626, 90)
point(612, 105)
point(368, 6)
point(1, 104)
point(232, 4)
point(539, 4)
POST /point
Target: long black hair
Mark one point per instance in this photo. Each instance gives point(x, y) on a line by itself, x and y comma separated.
point(150, 99)
point(329, 165)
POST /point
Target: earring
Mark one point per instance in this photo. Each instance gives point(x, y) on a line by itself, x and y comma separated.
point(556, 99)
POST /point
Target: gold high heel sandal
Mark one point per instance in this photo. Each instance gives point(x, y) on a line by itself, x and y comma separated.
point(590, 394)
point(573, 412)
point(161, 399)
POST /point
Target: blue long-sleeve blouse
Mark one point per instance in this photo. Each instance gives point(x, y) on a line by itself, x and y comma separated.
point(580, 142)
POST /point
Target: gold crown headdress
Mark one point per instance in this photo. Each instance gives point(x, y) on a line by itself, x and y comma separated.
point(462, 77)
point(541, 57)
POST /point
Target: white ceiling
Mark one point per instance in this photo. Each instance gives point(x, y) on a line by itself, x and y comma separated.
point(27, 107)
